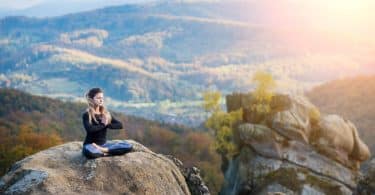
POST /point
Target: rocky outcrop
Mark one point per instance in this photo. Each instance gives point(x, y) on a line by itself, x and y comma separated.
point(295, 118)
point(64, 170)
point(338, 139)
point(366, 184)
point(293, 150)
point(192, 177)
point(297, 168)
point(294, 121)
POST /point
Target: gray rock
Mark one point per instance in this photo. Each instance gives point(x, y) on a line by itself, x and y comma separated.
point(276, 189)
point(284, 153)
point(251, 173)
point(2, 184)
point(261, 138)
point(26, 182)
point(305, 156)
point(192, 177)
point(308, 190)
point(366, 184)
point(294, 122)
point(295, 152)
point(338, 139)
point(64, 170)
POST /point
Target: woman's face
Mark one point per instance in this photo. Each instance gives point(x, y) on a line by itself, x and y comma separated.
point(99, 99)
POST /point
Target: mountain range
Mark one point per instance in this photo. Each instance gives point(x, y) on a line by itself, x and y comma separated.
point(155, 60)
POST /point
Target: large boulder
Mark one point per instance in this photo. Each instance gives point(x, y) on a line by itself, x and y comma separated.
point(263, 139)
point(338, 139)
point(64, 170)
point(294, 122)
point(290, 115)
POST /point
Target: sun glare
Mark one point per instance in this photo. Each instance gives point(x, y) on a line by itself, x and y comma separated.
point(352, 19)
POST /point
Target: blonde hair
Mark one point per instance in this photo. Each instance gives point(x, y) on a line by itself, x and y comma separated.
point(89, 95)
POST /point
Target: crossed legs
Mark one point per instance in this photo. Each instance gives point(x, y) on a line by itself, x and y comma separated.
point(104, 150)
point(110, 148)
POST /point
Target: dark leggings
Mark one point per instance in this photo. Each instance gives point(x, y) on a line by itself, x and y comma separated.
point(114, 148)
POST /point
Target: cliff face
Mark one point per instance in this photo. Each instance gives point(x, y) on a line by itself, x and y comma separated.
point(293, 149)
point(64, 170)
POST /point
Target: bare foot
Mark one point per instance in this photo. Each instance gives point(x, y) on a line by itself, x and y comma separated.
point(104, 150)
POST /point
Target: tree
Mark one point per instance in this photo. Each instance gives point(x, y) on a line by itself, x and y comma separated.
point(221, 123)
point(263, 93)
point(211, 101)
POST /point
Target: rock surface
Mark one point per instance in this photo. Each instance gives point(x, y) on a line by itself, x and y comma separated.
point(64, 170)
point(294, 121)
point(295, 118)
point(338, 139)
point(299, 170)
point(293, 150)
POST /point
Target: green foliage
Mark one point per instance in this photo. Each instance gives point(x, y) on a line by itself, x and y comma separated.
point(211, 101)
point(213, 175)
point(221, 123)
point(263, 93)
point(314, 115)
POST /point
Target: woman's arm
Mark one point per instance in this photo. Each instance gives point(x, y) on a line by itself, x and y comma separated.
point(91, 127)
point(115, 124)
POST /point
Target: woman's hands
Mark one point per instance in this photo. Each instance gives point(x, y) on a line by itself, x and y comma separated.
point(104, 150)
point(104, 120)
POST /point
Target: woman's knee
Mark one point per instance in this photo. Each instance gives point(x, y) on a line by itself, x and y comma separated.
point(120, 146)
point(120, 149)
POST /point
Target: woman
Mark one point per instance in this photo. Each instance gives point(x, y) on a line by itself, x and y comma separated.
point(96, 120)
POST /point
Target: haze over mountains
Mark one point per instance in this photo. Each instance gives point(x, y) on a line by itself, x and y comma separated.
point(155, 59)
point(50, 8)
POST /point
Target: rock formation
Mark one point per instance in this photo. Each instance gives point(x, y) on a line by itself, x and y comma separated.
point(64, 170)
point(366, 184)
point(293, 150)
